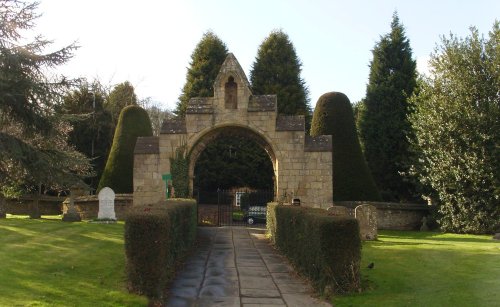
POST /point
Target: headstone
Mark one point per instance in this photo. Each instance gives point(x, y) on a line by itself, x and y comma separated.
point(339, 211)
point(496, 236)
point(424, 226)
point(367, 219)
point(106, 204)
point(72, 214)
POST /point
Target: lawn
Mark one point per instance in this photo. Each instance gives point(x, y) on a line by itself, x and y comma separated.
point(429, 269)
point(47, 262)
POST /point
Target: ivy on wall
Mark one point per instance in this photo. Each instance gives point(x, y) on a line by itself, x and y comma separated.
point(180, 175)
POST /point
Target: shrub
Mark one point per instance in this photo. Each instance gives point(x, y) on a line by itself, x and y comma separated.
point(118, 173)
point(156, 238)
point(352, 179)
point(327, 249)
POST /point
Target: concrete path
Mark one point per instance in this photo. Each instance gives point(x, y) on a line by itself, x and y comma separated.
point(238, 267)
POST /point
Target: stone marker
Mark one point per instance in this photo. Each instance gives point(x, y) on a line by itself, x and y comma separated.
point(496, 236)
point(424, 226)
point(72, 214)
point(339, 211)
point(367, 219)
point(106, 204)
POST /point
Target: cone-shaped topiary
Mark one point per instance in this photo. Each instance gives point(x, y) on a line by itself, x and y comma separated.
point(118, 173)
point(352, 179)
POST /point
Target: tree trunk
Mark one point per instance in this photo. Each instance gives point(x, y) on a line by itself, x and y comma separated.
point(35, 210)
point(3, 209)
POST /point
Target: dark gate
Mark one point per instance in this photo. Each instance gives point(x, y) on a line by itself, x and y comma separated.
point(233, 207)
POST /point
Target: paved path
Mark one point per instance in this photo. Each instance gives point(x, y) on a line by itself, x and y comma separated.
point(238, 267)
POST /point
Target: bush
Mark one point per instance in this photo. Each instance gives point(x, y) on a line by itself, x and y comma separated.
point(327, 249)
point(352, 179)
point(118, 173)
point(156, 238)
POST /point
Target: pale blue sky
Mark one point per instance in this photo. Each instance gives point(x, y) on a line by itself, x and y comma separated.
point(150, 42)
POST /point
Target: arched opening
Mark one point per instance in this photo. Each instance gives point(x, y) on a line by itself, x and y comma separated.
point(231, 94)
point(233, 167)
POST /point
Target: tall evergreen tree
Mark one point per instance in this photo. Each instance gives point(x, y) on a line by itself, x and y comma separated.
point(276, 70)
point(33, 137)
point(122, 95)
point(206, 61)
point(382, 119)
point(92, 125)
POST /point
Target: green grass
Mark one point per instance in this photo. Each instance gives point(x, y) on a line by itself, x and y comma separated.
point(428, 269)
point(47, 262)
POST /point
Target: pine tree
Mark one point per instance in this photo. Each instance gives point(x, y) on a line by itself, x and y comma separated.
point(92, 125)
point(33, 137)
point(206, 61)
point(122, 95)
point(118, 174)
point(276, 70)
point(382, 122)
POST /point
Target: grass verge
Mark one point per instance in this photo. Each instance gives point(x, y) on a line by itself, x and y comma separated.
point(47, 262)
point(428, 269)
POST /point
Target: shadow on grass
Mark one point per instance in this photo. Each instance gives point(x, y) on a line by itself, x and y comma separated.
point(435, 236)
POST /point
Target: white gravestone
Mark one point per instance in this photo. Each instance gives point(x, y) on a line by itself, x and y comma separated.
point(106, 204)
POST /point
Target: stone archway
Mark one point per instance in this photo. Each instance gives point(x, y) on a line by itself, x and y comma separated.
point(205, 139)
point(302, 164)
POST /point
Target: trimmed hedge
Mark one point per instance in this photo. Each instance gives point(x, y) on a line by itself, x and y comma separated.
point(157, 237)
point(327, 249)
point(352, 179)
point(118, 173)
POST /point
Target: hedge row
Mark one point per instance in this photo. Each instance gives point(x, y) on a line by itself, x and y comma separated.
point(327, 249)
point(156, 238)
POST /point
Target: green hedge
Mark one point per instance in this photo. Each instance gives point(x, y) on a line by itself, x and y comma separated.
point(156, 238)
point(327, 249)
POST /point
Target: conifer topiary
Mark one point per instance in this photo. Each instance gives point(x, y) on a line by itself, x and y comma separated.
point(352, 179)
point(118, 173)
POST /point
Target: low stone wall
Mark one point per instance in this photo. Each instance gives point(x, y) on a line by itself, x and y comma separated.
point(88, 206)
point(47, 205)
point(393, 216)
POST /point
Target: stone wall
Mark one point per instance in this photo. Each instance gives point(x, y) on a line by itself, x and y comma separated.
point(88, 206)
point(47, 205)
point(394, 216)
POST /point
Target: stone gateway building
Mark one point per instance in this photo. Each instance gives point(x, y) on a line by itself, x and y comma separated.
point(302, 164)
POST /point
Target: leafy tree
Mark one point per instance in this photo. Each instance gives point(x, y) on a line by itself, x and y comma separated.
point(92, 126)
point(118, 173)
point(457, 132)
point(351, 177)
point(206, 61)
point(276, 70)
point(122, 95)
point(382, 117)
point(33, 147)
point(233, 162)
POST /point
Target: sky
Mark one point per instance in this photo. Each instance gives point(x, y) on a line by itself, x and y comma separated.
point(150, 42)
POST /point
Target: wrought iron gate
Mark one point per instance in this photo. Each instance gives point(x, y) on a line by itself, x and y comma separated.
point(233, 207)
